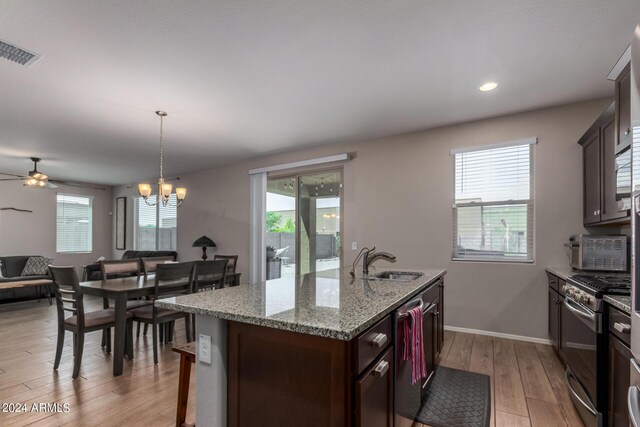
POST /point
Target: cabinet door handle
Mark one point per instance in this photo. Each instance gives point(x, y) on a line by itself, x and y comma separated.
point(381, 369)
point(622, 327)
point(627, 132)
point(379, 340)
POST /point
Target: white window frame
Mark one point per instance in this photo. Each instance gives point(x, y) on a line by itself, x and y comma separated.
point(136, 201)
point(90, 198)
point(529, 202)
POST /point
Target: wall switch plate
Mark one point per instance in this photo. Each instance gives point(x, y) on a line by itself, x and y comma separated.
point(354, 246)
point(204, 348)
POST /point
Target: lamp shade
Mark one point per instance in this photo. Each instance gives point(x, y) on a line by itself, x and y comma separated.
point(204, 242)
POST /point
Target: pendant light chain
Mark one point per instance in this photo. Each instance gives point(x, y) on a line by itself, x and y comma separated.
point(163, 198)
point(161, 154)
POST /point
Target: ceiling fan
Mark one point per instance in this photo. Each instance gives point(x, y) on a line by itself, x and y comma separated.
point(36, 179)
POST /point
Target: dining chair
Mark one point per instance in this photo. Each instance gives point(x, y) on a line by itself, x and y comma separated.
point(149, 265)
point(69, 298)
point(208, 275)
point(123, 268)
point(170, 280)
point(231, 265)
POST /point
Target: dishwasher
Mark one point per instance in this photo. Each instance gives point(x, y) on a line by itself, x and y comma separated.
point(408, 397)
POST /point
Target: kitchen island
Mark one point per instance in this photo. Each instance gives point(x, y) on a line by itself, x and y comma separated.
point(310, 350)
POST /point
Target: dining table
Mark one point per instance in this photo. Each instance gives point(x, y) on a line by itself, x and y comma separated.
point(120, 290)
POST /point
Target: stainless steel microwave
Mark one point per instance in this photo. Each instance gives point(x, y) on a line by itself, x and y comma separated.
point(598, 252)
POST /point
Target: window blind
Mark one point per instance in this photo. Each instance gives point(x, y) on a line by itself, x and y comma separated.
point(167, 225)
point(74, 223)
point(155, 226)
point(493, 204)
point(145, 225)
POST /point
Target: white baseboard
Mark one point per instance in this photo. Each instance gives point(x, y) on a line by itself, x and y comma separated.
point(498, 335)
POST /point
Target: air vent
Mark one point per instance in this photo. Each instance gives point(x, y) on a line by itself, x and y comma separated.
point(17, 54)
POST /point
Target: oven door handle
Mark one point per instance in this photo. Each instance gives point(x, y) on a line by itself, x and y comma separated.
point(579, 311)
point(633, 403)
point(586, 405)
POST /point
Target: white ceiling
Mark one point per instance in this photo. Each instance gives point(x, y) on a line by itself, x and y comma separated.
point(242, 78)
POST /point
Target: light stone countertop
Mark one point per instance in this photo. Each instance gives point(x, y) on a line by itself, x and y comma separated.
point(619, 301)
point(562, 272)
point(328, 304)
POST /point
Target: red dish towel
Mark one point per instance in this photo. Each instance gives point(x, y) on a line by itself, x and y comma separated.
point(410, 329)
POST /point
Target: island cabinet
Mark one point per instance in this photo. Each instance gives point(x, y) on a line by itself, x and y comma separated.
point(285, 378)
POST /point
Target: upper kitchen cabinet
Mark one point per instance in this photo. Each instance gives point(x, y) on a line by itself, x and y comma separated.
point(623, 111)
point(606, 172)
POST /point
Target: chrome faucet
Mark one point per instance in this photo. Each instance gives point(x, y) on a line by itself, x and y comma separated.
point(369, 256)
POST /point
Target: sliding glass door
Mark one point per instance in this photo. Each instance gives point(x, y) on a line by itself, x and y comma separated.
point(303, 223)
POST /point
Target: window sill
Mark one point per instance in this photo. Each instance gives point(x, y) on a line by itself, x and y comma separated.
point(495, 261)
point(74, 252)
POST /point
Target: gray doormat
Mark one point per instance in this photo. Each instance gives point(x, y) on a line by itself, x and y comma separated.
point(456, 398)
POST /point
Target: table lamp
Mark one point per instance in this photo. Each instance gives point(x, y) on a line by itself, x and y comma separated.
point(204, 242)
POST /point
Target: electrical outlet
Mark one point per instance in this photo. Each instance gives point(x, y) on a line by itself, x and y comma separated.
point(354, 246)
point(204, 348)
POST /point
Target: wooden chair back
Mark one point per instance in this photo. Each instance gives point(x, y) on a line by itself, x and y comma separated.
point(68, 293)
point(231, 265)
point(174, 279)
point(210, 273)
point(149, 265)
point(123, 267)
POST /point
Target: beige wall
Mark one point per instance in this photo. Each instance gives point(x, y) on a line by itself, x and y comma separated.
point(34, 233)
point(398, 197)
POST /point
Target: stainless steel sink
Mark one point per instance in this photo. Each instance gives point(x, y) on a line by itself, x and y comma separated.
point(397, 276)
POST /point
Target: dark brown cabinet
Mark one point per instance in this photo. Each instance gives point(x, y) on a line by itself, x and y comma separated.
point(623, 111)
point(555, 312)
point(619, 367)
point(606, 173)
point(374, 394)
point(591, 179)
point(554, 318)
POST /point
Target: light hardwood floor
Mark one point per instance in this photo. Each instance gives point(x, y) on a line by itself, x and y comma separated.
point(144, 395)
point(527, 387)
point(526, 379)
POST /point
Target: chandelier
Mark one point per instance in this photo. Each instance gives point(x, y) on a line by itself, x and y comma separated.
point(164, 188)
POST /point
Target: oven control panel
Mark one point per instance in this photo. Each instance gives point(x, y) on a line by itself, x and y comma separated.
point(578, 295)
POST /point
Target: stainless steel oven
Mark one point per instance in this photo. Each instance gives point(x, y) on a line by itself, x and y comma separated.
point(581, 335)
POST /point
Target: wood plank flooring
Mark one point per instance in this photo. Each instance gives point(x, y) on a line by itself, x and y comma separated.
point(144, 395)
point(527, 387)
point(526, 379)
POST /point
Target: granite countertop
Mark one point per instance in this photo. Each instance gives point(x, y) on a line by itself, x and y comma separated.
point(565, 273)
point(329, 303)
point(562, 272)
point(621, 302)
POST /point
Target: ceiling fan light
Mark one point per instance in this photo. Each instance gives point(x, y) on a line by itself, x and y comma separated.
point(33, 183)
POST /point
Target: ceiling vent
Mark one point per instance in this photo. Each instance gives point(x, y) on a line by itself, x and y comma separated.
point(17, 54)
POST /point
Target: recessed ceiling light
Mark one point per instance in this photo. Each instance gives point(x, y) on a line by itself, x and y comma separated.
point(488, 86)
